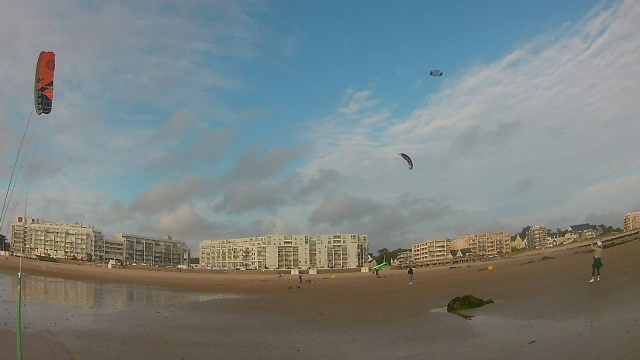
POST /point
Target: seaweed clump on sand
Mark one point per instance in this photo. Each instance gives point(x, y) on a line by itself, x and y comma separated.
point(466, 302)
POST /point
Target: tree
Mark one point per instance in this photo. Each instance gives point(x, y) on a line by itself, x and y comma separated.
point(385, 255)
point(523, 233)
point(4, 244)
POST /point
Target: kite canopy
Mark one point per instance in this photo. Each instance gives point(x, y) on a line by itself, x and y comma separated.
point(43, 88)
point(435, 73)
point(408, 159)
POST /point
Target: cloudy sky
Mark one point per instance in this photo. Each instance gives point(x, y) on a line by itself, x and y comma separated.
point(217, 119)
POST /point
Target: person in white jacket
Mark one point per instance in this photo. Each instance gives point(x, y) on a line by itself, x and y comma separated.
point(597, 260)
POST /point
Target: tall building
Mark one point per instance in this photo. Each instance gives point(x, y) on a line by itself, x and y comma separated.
point(537, 236)
point(632, 221)
point(286, 252)
point(430, 251)
point(35, 237)
point(487, 244)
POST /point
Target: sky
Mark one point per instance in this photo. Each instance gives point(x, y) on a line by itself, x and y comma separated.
point(209, 120)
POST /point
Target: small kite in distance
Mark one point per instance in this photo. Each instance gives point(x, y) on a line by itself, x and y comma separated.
point(435, 73)
point(408, 159)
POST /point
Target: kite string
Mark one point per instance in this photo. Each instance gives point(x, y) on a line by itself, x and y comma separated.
point(32, 141)
point(5, 206)
point(30, 170)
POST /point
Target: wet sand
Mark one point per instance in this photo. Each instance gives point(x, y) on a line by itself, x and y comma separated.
point(544, 310)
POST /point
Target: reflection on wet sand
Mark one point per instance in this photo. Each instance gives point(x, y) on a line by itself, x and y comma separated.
point(95, 295)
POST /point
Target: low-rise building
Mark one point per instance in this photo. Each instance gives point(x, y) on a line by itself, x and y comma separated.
point(461, 253)
point(582, 232)
point(517, 242)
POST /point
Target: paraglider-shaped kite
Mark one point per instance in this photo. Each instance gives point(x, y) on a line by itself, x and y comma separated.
point(406, 157)
point(43, 88)
point(435, 73)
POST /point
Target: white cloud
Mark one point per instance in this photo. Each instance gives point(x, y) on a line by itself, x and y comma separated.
point(511, 140)
point(534, 137)
point(166, 195)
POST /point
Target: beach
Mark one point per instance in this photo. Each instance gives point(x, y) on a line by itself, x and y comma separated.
point(544, 308)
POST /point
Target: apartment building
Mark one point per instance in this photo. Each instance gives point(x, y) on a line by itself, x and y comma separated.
point(30, 237)
point(109, 250)
point(148, 250)
point(485, 244)
point(405, 259)
point(339, 251)
point(537, 236)
point(286, 252)
point(632, 221)
point(430, 251)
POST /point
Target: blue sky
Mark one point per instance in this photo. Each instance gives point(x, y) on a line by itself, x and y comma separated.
point(215, 119)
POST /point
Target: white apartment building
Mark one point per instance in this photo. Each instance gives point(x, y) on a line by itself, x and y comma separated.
point(31, 237)
point(286, 252)
point(632, 221)
point(148, 250)
point(109, 250)
point(430, 251)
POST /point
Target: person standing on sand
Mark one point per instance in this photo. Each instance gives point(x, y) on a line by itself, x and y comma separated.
point(597, 260)
point(300, 278)
point(410, 272)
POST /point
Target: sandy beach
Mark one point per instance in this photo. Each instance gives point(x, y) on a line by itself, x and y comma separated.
point(544, 308)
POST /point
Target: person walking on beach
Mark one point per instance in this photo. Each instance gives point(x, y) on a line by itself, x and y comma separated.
point(410, 272)
point(300, 278)
point(597, 260)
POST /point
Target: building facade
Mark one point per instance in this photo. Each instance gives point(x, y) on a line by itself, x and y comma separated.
point(581, 232)
point(148, 250)
point(430, 251)
point(537, 236)
point(632, 221)
point(286, 252)
point(405, 259)
point(485, 244)
point(517, 242)
point(33, 237)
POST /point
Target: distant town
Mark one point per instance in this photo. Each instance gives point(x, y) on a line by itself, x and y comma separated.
point(45, 240)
